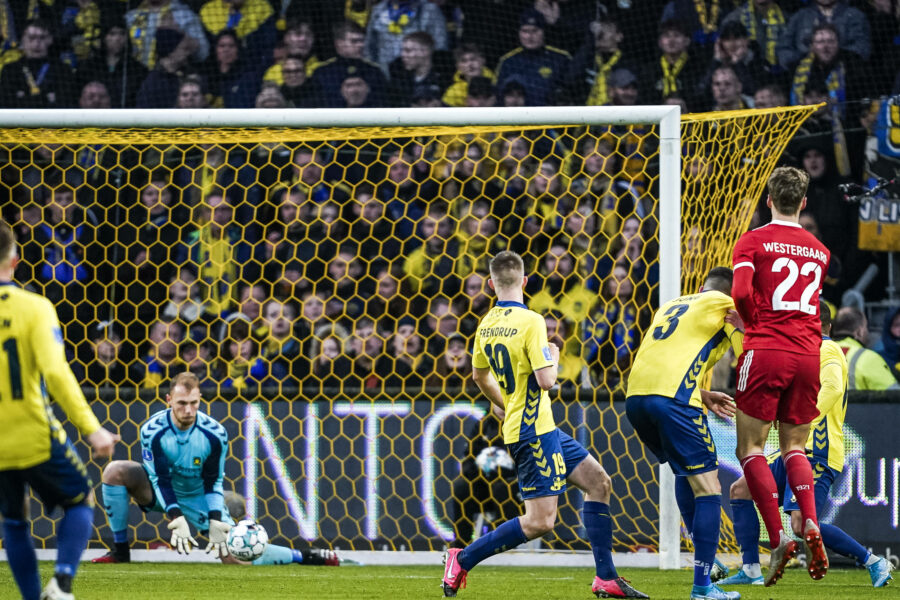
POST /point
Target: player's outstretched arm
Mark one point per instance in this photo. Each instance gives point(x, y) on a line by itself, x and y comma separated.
point(47, 343)
point(720, 403)
point(103, 442)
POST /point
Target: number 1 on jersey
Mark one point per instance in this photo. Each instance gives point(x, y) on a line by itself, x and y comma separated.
point(498, 357)
point(15, 370)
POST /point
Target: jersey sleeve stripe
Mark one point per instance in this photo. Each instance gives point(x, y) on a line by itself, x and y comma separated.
point(744, 264)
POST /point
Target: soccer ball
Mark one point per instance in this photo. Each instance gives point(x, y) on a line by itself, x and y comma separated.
point(492, 458)
point(247, 540)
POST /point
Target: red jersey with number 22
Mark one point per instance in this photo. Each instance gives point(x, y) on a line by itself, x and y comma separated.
point(778, 273)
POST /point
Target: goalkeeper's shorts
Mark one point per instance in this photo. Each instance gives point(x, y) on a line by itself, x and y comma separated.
point(195, 510)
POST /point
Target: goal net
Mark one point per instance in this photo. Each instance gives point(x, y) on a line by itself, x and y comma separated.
point(322, 273)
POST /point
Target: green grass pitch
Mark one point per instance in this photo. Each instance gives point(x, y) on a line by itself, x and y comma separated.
point(159, 581)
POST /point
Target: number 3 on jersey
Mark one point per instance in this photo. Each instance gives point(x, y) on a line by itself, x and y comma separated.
point(674, 313)
point(804, 304)
point(498, 357)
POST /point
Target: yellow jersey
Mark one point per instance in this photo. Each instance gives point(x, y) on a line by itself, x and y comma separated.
point(33, 364)
point(512, 342)
point(687, 337)
point(826, 432)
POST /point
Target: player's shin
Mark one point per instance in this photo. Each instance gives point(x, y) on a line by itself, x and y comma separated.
point(765, 494)
point(73, 533)
point(22, 558)
point(684, 497)
point(838, 540)
point(800, 478)
point(115, 503)
point(746, 530)
point(507, 536)
point(598, 524)
point(707, 518)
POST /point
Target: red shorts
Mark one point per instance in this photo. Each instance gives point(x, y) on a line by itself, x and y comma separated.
point(776, 385)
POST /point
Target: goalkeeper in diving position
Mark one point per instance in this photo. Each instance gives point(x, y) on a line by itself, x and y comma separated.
point(514, 366)
point(825, 452)
point(664, 404)
point(183, 452)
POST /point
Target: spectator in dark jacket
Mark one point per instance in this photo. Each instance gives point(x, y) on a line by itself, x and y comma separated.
point(414, 67)
point(37, 80)
point(888, 346)
point(328, 78)
point(296, 89)
point(540, 68)
point(232, 77)
point(701, 18)
point(733, 49)
point(588, 76)
point(676, 72)
point(252, 21)
point(764, 21)
point(114, 66)
point(160, 88)
point(851, 25)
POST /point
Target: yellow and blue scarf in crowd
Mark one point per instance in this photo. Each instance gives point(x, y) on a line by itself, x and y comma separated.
point(400, 15)
point(670, 73)
point(599, 91)
point(773, 24)
point(836, 86)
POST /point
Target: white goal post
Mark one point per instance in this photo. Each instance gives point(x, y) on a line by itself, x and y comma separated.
point(668, 119)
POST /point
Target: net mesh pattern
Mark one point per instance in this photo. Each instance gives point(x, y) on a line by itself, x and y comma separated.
point(315, 278)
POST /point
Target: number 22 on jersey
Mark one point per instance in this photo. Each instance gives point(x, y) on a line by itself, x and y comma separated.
point(794, 271)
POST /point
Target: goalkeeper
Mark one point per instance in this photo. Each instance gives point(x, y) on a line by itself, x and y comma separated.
point(183, 452)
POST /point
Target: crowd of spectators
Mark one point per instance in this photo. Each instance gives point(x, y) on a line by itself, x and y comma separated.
point(363, 264)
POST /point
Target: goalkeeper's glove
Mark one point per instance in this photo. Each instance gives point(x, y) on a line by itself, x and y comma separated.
point(218, 533)
point(181, 535)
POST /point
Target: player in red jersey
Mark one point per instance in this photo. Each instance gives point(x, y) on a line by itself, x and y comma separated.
point(778, 272)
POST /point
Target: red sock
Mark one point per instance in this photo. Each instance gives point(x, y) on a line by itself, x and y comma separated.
point(765, 494)
point(800, 478)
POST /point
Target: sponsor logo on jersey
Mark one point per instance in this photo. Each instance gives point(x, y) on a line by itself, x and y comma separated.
point(147, 455)
point(546, 351)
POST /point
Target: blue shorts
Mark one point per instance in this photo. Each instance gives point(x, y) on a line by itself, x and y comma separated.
point(675, 432)
point(823, 476)
point(543, 464)
point(61, 480)
point(195, 510)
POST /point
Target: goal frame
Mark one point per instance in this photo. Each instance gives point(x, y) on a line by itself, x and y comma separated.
point(667, 118)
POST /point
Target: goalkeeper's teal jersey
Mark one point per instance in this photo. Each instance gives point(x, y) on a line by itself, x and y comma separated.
point(185, 464)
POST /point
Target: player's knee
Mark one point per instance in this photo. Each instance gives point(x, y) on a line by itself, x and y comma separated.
point(545, 524)
point(603, 483)
point(114, 473)
point(739, 490)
